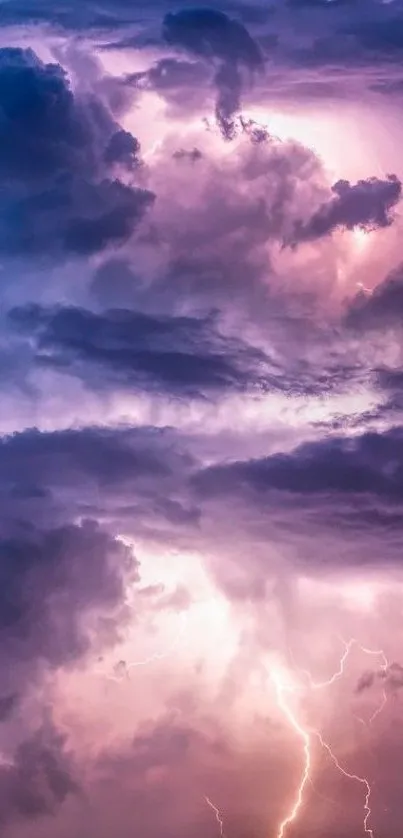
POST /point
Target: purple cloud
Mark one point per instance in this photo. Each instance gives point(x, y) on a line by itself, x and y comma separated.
point(366, 204)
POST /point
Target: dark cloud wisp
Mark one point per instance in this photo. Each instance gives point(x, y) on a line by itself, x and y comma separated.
point(226, 43)
point(184, 356)
point(367, 204)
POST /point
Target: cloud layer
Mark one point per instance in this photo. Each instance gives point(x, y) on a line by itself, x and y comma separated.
point(201, 453)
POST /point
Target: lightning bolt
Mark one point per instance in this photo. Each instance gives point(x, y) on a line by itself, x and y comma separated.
point(318, 685)
point(384, 667)
point(348, 645)
point(217, 815)
point(283, 685)
point(280, 688)
point(364, 782)
point(157, 656)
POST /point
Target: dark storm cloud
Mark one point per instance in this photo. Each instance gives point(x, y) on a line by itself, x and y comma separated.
point(342, 36)
point(319, 4)
point(58, 194)
point(122, 148)
point(63, 583)
point(107, 14)
point(71, 15)
point(39, 779)
point(62, 587)
point(45, 129)
point(58, 586)
point(346, 491)
point(351, 32)
point(32, 462)
point(391, 677)
point(225, 42)
point(73, 217)
point(377, 319)
point(367, 204)
point(381, 309)
point(381, 38)
point(185, 356)
point(371, 464)
point(130, 476)
point(212, 34)
point(46, 594)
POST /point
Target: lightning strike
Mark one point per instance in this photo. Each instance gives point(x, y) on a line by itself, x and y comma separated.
point(318, 685)
point(283, 684)
point(280, 688)
point(384, 667)
point(379, 709)
point(217, 815)
point(125, 668)
point(364, 782)
point(348, 645)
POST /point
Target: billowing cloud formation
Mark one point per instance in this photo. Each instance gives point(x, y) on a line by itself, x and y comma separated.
point(216, 37)
point(43, 565)
point(55, 149)
point(201, 426)
point(48, 611)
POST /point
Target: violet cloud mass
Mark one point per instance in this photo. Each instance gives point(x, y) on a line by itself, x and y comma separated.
point(201, 452)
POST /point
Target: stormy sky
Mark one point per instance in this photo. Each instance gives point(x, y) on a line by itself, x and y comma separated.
point(201, 450)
